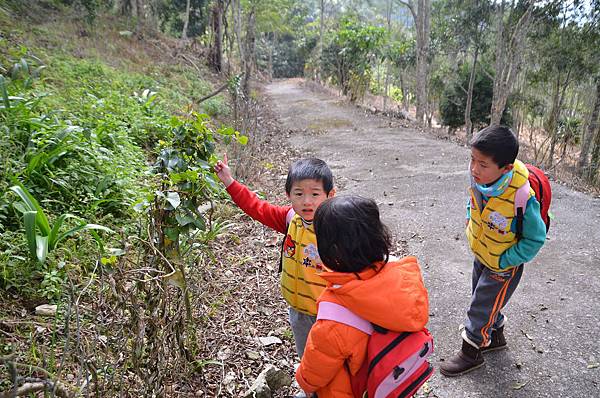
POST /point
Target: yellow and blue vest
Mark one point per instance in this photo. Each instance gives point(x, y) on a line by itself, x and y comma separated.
point(488, 231)
point(301, 284)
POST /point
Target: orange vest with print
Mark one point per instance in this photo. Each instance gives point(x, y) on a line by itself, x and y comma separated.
point(488, 231)
point(300, 283)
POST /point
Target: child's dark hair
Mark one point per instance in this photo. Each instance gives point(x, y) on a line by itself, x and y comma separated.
point(350, 235)
point(499, 142)
point(309, 169)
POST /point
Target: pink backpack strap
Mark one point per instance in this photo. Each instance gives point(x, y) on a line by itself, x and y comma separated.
point(521, 197)
point(290, 214)
point(339, 313)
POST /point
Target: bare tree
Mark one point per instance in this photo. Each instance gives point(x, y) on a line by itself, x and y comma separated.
point(509, 45)
point(588, 136)
point(216, 24)
point(250, 50)
point(388, 17)
point(186, 19)
point(320, 43)
point(421, 16)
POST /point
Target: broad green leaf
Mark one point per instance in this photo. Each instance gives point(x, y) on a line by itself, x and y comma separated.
point(200, 223)
point(172, 234)
point(173, 199)
point(242, 139)
point(184, 218)
point(29, 221)
point(41, 248)
point(4, 92)
point(32, 205)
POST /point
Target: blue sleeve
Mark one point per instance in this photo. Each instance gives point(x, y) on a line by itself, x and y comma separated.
point(534, 237)
point(468, 209)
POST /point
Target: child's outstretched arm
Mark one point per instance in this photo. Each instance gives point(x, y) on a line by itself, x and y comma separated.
point(262, 211)
point(224, 172)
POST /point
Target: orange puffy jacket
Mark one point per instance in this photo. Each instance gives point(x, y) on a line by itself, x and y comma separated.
point(392, 296)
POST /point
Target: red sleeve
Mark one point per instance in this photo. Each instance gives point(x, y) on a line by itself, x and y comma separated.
point(262, 211)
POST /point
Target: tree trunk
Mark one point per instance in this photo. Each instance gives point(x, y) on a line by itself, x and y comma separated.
point(250, 45)
point(123, 7)
point(405, 103)
point(508, 59)
point(557, 105)
point(320, 43)
point(468, 122)
point(587, 137)
point(552, 120)
point(186, 20)
point(216, 50)
point(595, 162)
point(271, 51)
point(387, 62)
point(422, 25)
point(421, 17)
point(237, 27)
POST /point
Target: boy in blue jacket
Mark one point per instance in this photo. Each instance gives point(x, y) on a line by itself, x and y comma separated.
point(496, 175)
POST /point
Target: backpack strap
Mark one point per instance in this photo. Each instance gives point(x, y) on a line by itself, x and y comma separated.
point(339, 313)
point(288, 219)
point(521, 198)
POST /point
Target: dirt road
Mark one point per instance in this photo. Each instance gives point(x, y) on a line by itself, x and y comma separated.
point(420, 182)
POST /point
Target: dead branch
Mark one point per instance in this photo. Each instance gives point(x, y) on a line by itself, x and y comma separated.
point(31, 387)
point(223, 87)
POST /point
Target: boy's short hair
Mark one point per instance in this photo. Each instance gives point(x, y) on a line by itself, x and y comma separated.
point(309, 169)
point(498, 142)
point(350, 234)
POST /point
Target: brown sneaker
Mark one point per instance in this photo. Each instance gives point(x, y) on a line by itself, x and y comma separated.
point(498, 341)
point(467, 359)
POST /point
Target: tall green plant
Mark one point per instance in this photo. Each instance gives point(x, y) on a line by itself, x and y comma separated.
point(187, 179)
point(355, 48)
point(42, 237)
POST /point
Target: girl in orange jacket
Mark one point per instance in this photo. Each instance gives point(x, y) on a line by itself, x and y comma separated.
point(354, 244)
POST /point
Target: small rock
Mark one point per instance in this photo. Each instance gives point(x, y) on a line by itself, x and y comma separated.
point(252, 355)
point(229, 273)
point(269, 380)
point(269, 340)
point(224, 354)
point(46, 310)
point(265, 310)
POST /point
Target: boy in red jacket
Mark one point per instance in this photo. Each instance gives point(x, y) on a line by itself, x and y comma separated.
point(309, 182)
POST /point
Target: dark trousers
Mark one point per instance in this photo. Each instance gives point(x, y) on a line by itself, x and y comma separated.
point(490, 293)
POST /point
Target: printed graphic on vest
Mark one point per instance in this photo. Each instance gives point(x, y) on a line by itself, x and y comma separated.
point(497, 222)
point(311, 257)
point(289, 247)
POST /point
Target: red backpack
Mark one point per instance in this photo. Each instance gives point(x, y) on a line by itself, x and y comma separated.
point(540, 184)
point(396, 363)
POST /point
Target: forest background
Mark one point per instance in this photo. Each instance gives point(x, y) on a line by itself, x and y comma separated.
point(113, 226)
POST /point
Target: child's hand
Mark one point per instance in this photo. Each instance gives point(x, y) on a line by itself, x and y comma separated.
point(224, 172)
